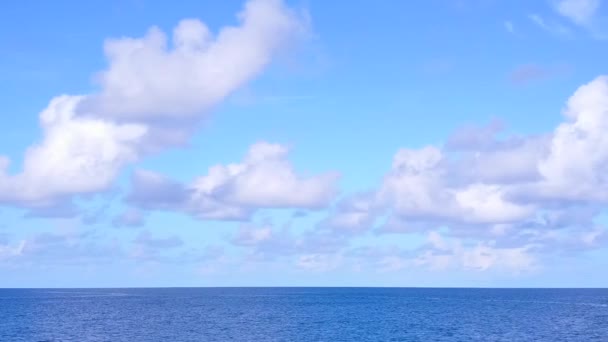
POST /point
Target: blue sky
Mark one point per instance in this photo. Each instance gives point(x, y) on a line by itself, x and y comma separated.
point(303, 143)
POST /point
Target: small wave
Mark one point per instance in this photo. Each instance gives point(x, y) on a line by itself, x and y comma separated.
point(546, 302)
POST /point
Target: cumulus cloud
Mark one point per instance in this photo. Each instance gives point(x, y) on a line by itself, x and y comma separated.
point(147, 91)
point(76, 156)
point(148, 79)
point(265, 179)
point(419, 187)
point(576, 167)
point(568, 164)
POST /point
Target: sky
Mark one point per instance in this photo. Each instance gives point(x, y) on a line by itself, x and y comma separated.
point(304, 143)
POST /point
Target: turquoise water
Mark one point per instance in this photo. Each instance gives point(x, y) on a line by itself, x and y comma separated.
point(303, 314)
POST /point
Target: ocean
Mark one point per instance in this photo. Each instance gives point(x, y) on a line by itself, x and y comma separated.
point(303, 314)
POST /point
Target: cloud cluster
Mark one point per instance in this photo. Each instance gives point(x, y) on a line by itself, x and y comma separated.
point(321, 251)
point(513, 196)
point(484, 200)
point(151, 94)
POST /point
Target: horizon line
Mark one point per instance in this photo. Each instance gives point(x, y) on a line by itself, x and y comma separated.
point(308, 287)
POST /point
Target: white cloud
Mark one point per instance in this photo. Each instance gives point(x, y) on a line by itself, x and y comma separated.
point(576, 167)
point(418, 187)
point(76, 155)
point(266, 179)
point(551, 27)
point(580, 12)
point(149, 79)
point(484, 203)
point(414, 185)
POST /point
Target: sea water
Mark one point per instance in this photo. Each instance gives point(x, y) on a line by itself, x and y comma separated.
point(303, 314)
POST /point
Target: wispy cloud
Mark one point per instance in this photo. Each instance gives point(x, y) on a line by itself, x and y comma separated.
point(550, 26)
point(580, 12)
point(584, 13)
point(528, 73)
point(509, 26)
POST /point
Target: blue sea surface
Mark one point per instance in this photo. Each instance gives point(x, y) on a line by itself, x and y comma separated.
point(303, 314)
